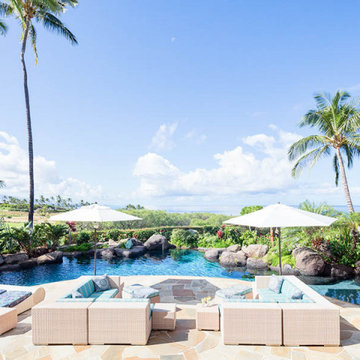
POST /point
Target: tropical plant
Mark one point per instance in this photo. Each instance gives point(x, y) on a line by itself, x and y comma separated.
point(44, 12)
point(53, 234)
point(322, 209)
point(2, 182)
point(249, 209)
point(338, 121)
point(352, 222)
point(184, 238)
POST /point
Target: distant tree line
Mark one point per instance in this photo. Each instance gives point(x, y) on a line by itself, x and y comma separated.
point(43, 204)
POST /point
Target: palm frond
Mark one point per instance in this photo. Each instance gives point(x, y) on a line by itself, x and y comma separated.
point(301, 146)
point(310, 157)
point(33, 37)
point(5, 9)
point(16, 6)
point(48, 5)
point(51, 22)
point(3, 28)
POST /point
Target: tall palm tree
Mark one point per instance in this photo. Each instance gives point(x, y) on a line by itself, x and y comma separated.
point(44, 12)
point(337, 120)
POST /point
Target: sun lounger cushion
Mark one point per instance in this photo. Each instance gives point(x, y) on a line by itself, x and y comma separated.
point(13, 298)
point(237, 291)
point(98, 295)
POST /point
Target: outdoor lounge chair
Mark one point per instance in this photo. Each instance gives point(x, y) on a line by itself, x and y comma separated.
point(21, 298)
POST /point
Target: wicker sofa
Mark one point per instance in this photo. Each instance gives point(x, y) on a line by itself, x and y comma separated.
point(276, 319)
point(86, 288)
point(96, 318)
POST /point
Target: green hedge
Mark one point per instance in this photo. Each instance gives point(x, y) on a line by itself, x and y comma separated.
point(141, 234)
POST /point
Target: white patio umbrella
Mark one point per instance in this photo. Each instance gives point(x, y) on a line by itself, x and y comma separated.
point(280, 216)
point(94, 213)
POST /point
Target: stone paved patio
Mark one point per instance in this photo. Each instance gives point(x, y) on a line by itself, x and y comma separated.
point(185, 291)
point(185, 343)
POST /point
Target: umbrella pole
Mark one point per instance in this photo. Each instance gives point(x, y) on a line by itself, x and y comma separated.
point(95, 252)
point(279, 239)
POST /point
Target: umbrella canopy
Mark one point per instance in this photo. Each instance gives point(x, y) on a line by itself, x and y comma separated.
point(94, 213)
point(279, 216)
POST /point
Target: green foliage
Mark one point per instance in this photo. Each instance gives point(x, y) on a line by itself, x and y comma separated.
point(51, 234)
point(184, 238)
point(249, 209)
point(114, 234)
point(211, 241)
point(83, 248)
point(83, 237)
point(159, 218)
point(272, 258)
point(322, 208)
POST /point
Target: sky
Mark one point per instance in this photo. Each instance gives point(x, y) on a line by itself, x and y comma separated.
point(178, 105)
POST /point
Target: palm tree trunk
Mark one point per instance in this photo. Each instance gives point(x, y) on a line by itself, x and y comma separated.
point(28, 124)
point(344, 181)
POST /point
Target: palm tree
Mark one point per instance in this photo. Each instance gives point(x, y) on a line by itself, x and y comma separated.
point(2, 184)
point(44, 12)
point(337, 120)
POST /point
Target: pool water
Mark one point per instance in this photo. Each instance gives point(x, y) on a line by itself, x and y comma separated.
point(175, 262)
point(348, 290)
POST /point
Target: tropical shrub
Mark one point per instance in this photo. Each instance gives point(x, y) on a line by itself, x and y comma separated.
point(249, 209)
point(52, 234)
point(83, 248)
point(211, 241)
point(184, 238)
point(83, 237)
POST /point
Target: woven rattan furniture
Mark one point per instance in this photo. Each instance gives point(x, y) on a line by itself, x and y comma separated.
point(312, 323)
point(135, 291)
point(119, 322)
point(37, 295)
point(251, 323)
point(235, 291)
point(164, 317)
point(207, 317)
point(8, 319)
point(60, 323)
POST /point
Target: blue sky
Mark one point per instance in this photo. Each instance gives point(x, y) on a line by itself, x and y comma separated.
point(183, 105)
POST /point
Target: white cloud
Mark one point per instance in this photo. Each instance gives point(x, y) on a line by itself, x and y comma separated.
point(237, 172)
point(192, 134)
point(163, 139)
point(14, 171)
point(172, 39)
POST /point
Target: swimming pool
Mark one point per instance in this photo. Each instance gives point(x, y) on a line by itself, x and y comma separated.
point(175, 262)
